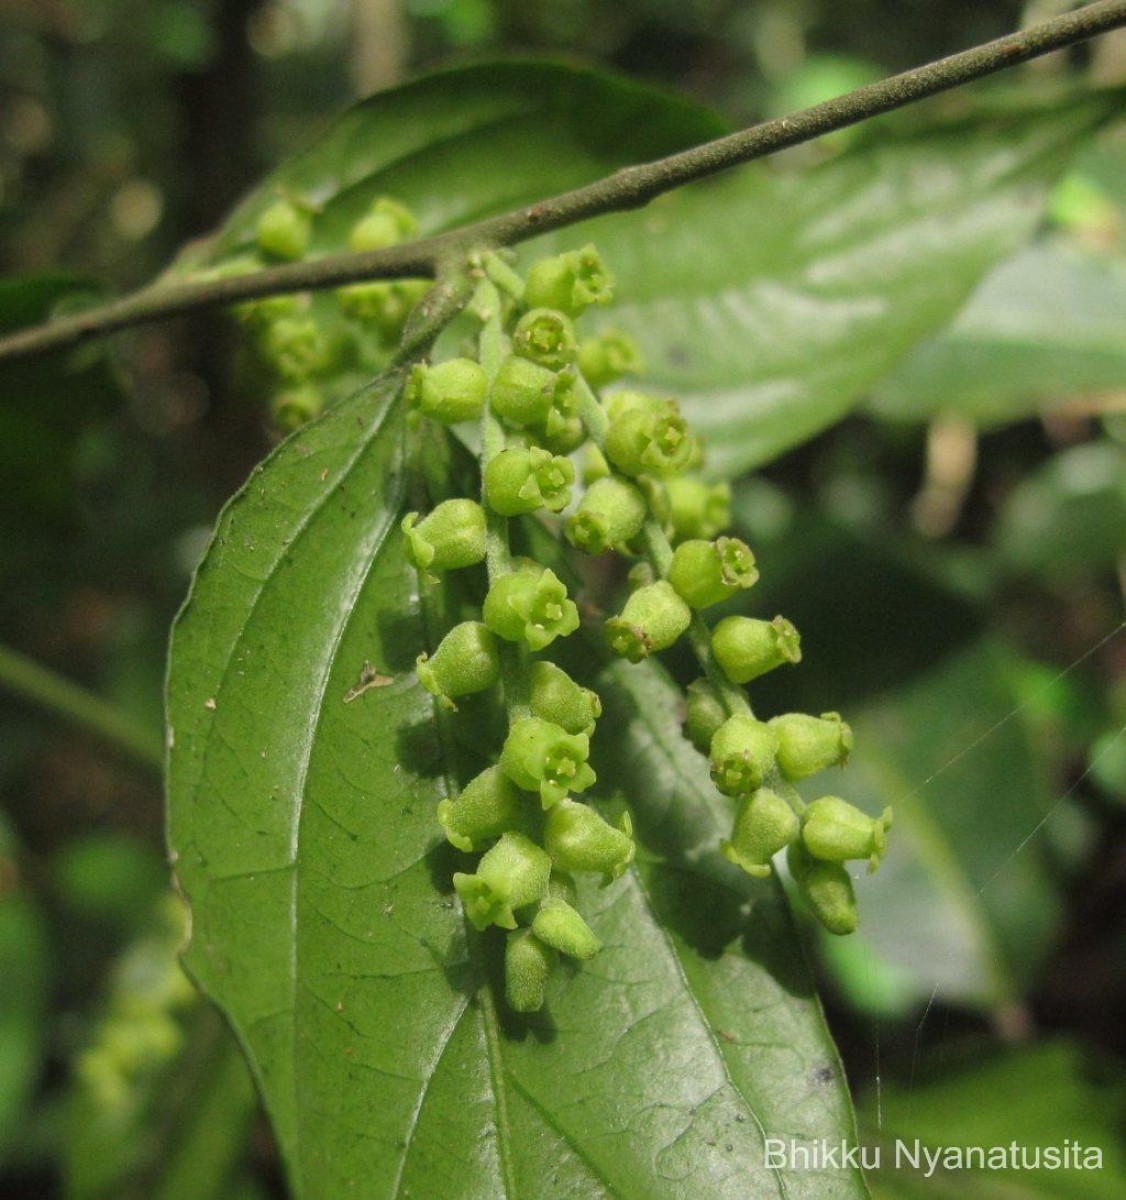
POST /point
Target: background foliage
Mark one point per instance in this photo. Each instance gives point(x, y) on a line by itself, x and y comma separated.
point(950, 281)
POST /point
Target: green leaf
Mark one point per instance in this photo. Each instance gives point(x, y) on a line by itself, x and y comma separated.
point(1035, 1096)
point(770, 303)
point(303, 829)
point(1043, 328)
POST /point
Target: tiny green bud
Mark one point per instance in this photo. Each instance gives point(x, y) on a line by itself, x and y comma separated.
point(293, 408)
point(490, 804)
point(808, 744)
point(450, 391)
point(647, 438)
point(698, 509)
point(835, 830)
point(559, 926)
point(524, 480)
point(764, 824)
point(578, 839)
point(742, 752)
point(258, 314)
point(704, 713)
point(567, 434)
point(561, 886)
point(557, 697)
point(594, 465)
point(283, 231)
point(746, 648)
point(530, 605)
point(826, 887)
point(510, 875)
point(522, 392)
point(546, 336)
point(385, 304)
point(607, 357)
point(610, 513)
point(570, 282)
point(466, 661)
point(386, 224)
point(528, 964)
point(295, 347)
point(451, 536)
point(543, 757)
point(706, 573)
point(653, 618)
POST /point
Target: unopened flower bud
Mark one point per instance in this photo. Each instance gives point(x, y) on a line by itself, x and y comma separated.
point(546, 336)
point(607, 357)
point(530, 605)
point(610, 513)
point(522, 392)
point(561, 886)
point(570, 282)
point(386, 304)
point(387, 223)
point(566, 434)
point(524, 480)
point(450, 391)
point(451, 536)
point(653, 618)
point(490, 804)
point(742, 752)
point(827, 889)
point(543, 757)
point(647, 438)
point(466, 661)
point(808, 744)
point(834, 830)
point(559, 926)
point(594, 465)
point(283, 231)
point(746, 648)
point(510, 875)
point(528, 964)
point(698, 509)
point(578, 839)
point(764, 824)
point(260, 313)
point(704, 713)
point(293, 408)
point(295, 347)
point(706, 573)
point(558, 698)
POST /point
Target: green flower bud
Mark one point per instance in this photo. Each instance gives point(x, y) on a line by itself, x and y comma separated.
point(523, 480)
point(594, 465)
point(746, 648)
point(528, 964)
point(835, 831)
point(653, 618)
point(706, 573)
point(567, 434)
point(608, 357)
point(561, 886)
point(698, 509)
point(559, 926)
point(383, 304)
point(578, 839)
point(704, 713)
point(610, 513)
point(558, 698)
point(570, 282)
point(546, 337)
point(808, 744)
point(764, 824)
point(293, 408)
point(742, 752)
point(488, 805)
point(387, 224)
point(283, 231)
point(543, 757)
point(522, 392)
point(258, 314)
point(827, 889)
point(465, 662)
point(509, 876)
point(450, 391)
point(295, 347)
point(451, 536)
point(530, 605)
point(647, 438)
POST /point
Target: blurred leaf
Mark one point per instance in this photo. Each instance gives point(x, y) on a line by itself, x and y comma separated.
point(1043, 328)
point(1036, 1096)
point(1070, 516)
point(305, 841)
point(25, 969)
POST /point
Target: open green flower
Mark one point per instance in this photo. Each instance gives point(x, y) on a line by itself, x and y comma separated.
point(514, 873)
point(543, 757)
point(834, 830)
point(742, 753)
point(530, 605)
point(653, 618)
